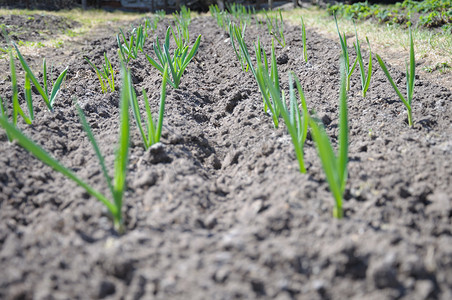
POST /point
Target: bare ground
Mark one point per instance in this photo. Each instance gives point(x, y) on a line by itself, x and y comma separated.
point(219, 210)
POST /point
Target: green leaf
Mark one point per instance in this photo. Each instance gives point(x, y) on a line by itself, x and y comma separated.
point(92, 139)
point(328, 160)
point(33, 78)
point(385, 70)
point(150, 120)
point(28, 97)
point(121, 160)
point(343, 134)
point(154, 64)
point(44, 76)
point(412, 70)
point(369, 71)
point(99, 75)
point(136, 112)
point(162, 107)
point(56, 86)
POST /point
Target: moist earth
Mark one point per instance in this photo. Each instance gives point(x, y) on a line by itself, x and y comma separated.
point(219, 209)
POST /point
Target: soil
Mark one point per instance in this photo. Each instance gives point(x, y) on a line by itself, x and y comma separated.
point(219, 209)
point(34, 27)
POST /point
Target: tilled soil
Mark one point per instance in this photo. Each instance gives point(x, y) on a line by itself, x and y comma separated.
point(219, 209)
point(34, 27)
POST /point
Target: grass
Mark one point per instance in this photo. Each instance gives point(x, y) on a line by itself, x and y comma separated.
point(117, 185)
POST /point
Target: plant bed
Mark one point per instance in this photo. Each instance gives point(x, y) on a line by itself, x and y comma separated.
point(219, 209)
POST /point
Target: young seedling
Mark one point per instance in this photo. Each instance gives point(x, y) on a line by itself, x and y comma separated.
point(154, 130)
point(117, 186)
point(17, 110)
point(235, 34)
point(410, 75)
point(365, 79)
point(218, 15)
point(181, 36)
point(176, 63)
point(303, 37)
point(276, 29)
point(260, 73)
point(106, 76)
point(184, 16)
point(269, 86)
point(43, 90)
point(296, 122)
point(348, 70)
point(129, 49)
point(335, 167)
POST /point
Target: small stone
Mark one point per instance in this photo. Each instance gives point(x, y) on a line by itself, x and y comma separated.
point(326, 120)
point(383, 274)
point(146, 179)
point(221, 275)
point(106, 288)
point(157, 154)
point(424, 289)
point(282, 59)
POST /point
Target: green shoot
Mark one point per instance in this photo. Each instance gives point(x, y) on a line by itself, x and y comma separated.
point(365, 80)
point(17, 110)
point(303, 37)
point(348, 70)
point(296, 124)
point(181, 36)
point(176, 63)
point(118, 184)
point(276, 28)
point(184, 16)
point(410, 75)
point(129, 49)
point(335, 167)
point(235, 34)
point(269, 86)
point(43, 91)
point(154, 130)
point(218, 15)
point(106, 75)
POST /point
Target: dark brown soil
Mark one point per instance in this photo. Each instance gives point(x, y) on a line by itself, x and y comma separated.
point(219, 209)
point(34, 27)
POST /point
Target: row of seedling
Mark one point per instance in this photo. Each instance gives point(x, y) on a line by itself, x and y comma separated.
point(267, 78)
point(48, 92)
point(366, 75)
point(241, 16)
point(298, 120)
point(150, 132)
